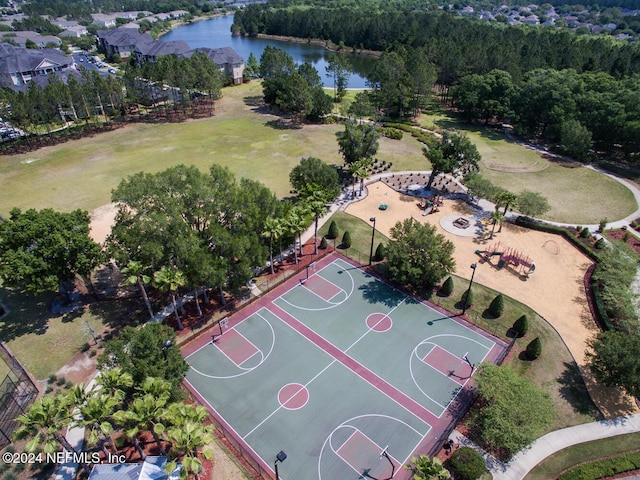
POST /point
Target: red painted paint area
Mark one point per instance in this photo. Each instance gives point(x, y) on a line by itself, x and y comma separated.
point(363, 455)
point(293, 396)
point(379, 322)
point(448, 364)
point(236, 346)
point(322, 287)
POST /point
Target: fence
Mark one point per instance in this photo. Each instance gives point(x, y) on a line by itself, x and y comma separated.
point(17, 392)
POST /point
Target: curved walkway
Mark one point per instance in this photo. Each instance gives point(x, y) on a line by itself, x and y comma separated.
point(552, 442)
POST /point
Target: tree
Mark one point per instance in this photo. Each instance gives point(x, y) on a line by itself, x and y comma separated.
point(317, 205)
point(534, 348)
point(148, 351)
point(521, 326)
point(417, 255)
point(134, 274)
point(614, 359)
point(425, 468)
point(338, 69)
point(272, 230)
point(41, 250)
point(479, 186)
point(381, 252)
point(532, 204)
point(496, 307)
point(333, 230)
point(454, 153)
point(358, 141)
point(512, 411)
point(169, 279)
point(447, 287)
point(576, 139)
point(505, 199)
point(361, 106)
point(346, 240)
point(467, 464)
point(497, 217)
point(313, 174)
point(252, 66)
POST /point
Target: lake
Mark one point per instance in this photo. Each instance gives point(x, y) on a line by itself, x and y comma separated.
point(216, 33)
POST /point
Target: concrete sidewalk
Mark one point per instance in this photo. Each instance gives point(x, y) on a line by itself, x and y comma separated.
point(524, 461)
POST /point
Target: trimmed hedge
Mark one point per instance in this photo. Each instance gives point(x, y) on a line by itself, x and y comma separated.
point(534, 349)
point(467, 464)
point(603, 468)
point(447, 287)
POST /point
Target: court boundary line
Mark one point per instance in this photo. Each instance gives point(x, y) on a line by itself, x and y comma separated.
point(356, 430)
point(461, 387)
point(346, 359)
point(239, 365)
point(331, 305)
point(245, 370)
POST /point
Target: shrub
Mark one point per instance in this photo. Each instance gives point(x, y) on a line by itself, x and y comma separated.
point(603, 224)
point(603, 468)
point(381, 252)
point(521, 326)
point(534, 349)
point(599, 245)
point(60, 381)
point(467, 298)
point(346, 240)
point(52, 378)
point(467, 464)
point(323, 243)
point(447, 287)
point(585, 233)
point(85, 347)
point(333, 230)
point(496, 308)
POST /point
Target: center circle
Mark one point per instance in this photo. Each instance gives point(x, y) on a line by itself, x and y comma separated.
point(379, 322)
point(293, 396)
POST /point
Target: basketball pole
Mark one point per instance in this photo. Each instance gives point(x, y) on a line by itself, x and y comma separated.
point(373, 234)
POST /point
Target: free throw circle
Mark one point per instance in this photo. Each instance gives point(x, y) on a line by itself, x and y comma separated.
point(293, 396)
point(379, 322)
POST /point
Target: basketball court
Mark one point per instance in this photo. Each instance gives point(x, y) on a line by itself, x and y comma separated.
point(347, 375)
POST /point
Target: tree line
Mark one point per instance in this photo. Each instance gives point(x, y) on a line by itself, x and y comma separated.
point(576, 111)
point(457, 46)
point(79, 10)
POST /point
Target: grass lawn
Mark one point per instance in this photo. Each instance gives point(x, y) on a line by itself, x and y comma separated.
point(560, 461)
point(554, 371)
point(576, 194)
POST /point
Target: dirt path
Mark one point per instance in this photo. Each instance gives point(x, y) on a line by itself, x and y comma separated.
point(555, 290)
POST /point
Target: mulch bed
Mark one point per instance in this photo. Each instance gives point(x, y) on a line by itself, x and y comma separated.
point(619, 234)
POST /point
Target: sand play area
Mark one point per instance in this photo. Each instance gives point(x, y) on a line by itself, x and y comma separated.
point(555, 289)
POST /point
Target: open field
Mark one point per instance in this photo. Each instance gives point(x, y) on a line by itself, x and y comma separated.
point(82, 173)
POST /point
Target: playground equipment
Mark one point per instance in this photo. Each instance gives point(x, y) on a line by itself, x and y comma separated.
point(430, 204)
point(508, 256)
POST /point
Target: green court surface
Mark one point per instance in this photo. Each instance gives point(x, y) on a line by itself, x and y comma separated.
point(333, 369)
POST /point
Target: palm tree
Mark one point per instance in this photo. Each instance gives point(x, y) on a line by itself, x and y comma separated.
point(316, 204)
point(425, 468)
point(496, 217)
point(96, 414)
point(272, 230)
point(505, 199)
point(134, 274)
point(187, 439)
point(169, 279)
point(146, 412)
point(296, 223)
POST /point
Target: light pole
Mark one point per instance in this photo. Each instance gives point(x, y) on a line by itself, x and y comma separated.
point(165, 347)
point(280, 457)
point(466, 298)
point(373, 234)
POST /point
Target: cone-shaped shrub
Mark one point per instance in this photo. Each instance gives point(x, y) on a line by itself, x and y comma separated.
point(467, 298)
point(534, 349)
point(381, 252)
point(346, 240)
point(585, 233)
point(447, 287)
point(467, 464)
point(521, 326)
point(323, 243)
point(600, 244)
point(333, 230)
point(496, 308)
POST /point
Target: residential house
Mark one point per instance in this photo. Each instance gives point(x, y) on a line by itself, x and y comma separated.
point(228, 60)
point(121, 41)
point(20, 38)
point(104, 20)
point(153, 468)
point(150, 51)
point(19, 66)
